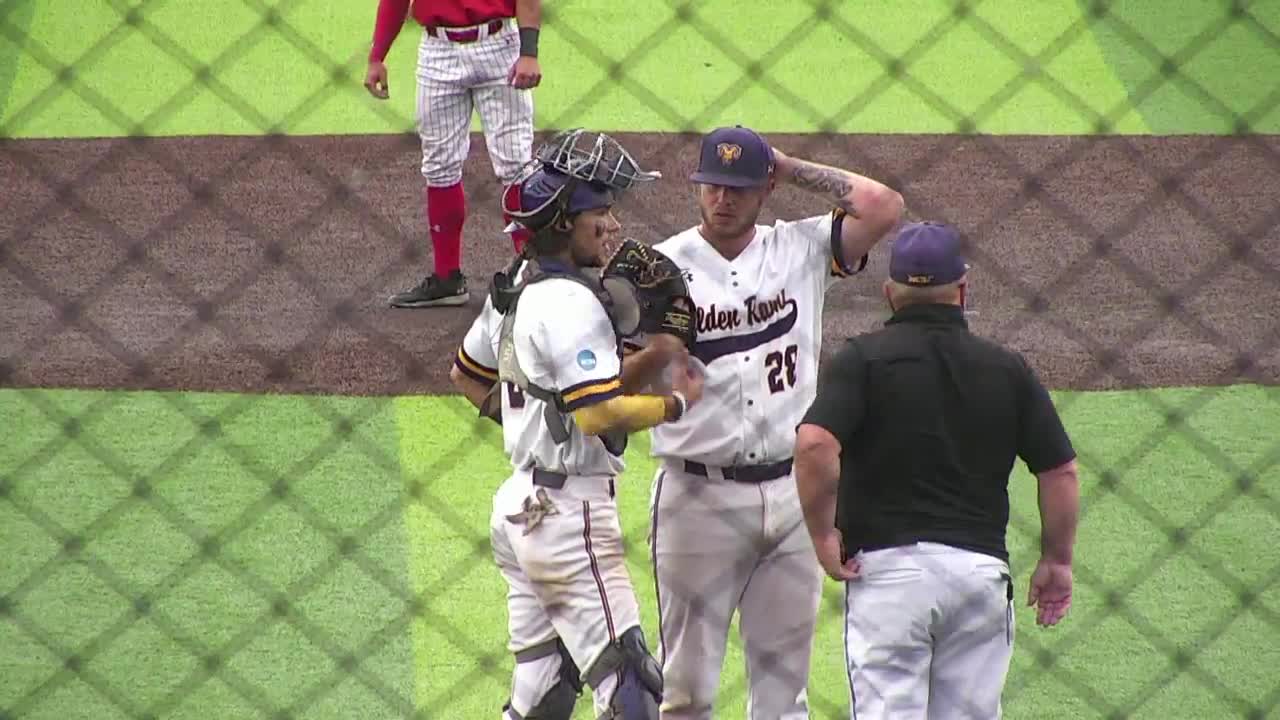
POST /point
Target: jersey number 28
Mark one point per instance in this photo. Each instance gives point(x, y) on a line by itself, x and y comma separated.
point(777, 362)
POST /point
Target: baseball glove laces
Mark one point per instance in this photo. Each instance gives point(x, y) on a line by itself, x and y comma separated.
point(650, 293)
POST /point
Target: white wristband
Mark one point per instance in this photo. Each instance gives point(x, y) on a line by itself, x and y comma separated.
point(681, 403)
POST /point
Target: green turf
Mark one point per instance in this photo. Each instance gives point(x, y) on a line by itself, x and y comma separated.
point(302, 74)
point(1227, 65)
point(15, 21)
point(453, 657)
point(210, 484)
point(1183, 476)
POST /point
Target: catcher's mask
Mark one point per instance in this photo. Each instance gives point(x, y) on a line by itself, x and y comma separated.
point(572, 172)
point(623, 301)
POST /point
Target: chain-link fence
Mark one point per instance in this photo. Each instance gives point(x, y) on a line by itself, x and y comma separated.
point(1088, 304)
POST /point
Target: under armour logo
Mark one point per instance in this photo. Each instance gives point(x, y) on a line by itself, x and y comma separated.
point(533, 512)
point(436, 228)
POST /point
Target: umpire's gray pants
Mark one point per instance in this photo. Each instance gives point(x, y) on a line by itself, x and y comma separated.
point(929, 634)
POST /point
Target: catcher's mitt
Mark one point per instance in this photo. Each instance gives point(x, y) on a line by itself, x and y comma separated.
point(650, 293)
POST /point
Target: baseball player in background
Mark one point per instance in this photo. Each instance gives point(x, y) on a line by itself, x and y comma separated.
point(727, 530)
point(545, 361)
point(474, 55)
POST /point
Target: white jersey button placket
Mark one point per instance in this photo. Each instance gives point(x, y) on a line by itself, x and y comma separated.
point(749, 411)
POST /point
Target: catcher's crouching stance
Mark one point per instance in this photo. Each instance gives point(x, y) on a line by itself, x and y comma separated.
point(544, 360)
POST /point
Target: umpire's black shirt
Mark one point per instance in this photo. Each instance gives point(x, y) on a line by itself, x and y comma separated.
point(930, 419)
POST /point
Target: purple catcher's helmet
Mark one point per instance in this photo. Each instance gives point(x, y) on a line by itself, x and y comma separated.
point(572, 172)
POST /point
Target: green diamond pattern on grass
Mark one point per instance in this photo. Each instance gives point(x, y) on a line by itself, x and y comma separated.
point(243, 76)
point(1135, 36)
point(141, 523)
point(453, 655)
point(1251, 636)
point(73, 696)
point(211, 606)
point(142, 665)
point(25, 665)
point(277, 533)
point(282, 663)
point(70, 607)
point(235, 22)
point(37, 548)
point(683, 72)
point(1109, 520)
point(352, 608)
point(219, 491)
point(1205, 603)
point(1131, 659)
point(214, 693)
point(74, 491)
point(1241, 541)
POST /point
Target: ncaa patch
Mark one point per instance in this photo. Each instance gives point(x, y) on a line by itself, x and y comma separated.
point(587, 360)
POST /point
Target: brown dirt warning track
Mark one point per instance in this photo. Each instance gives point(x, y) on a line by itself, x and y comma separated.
point(264, 264)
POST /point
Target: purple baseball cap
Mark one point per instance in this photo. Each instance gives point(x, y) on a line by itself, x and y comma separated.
point(926, 254)
point(734, 156)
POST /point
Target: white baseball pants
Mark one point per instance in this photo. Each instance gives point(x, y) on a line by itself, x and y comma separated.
point(720, 546)
point(566, 578)
point(929, 634)
point(454, 80)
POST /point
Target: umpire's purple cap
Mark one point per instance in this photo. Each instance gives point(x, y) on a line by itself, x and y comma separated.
point(925, 254)
point(734, 156)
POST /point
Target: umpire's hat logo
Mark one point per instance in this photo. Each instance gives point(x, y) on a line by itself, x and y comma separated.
point(728, 152)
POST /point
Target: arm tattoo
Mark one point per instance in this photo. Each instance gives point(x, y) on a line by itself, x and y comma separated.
point(825, 180)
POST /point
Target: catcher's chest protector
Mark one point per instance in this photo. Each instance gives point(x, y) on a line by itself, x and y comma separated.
point(509, 369)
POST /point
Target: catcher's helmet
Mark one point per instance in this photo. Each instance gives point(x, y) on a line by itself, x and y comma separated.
point(572, 172)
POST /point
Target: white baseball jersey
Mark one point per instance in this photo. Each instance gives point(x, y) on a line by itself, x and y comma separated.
point(564, 341)
point(759, 332)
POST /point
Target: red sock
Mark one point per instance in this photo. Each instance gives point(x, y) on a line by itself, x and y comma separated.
point(446, 211)
point(519, 236)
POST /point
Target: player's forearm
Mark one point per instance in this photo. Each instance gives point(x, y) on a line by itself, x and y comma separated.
point(873, 206)
point(390, 19)
point(529, 13)
point(817, 473)
point(834, 184)
point(1059, 512)
point(529, 23)
point(630, 413)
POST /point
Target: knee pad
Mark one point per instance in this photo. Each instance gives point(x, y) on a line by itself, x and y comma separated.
point(558, 701)
point(639, 688)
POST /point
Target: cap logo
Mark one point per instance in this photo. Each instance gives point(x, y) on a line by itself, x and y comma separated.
point(919, 279)
point(728, 152)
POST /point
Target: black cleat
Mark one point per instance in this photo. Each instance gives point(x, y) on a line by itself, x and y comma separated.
point(434, 292)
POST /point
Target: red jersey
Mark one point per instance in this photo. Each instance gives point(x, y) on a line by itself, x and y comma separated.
point(428, 13)
point(461, 13)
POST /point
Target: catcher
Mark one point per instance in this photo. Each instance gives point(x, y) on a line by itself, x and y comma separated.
point(545, 361)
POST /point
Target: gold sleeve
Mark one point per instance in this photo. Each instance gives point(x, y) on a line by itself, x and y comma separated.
point(629, 412)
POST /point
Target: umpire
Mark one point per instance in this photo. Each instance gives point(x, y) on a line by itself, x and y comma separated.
point(902, 466)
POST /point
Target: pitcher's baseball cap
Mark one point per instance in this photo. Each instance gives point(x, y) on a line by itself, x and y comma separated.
point(734, 156)
point(926, 254)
